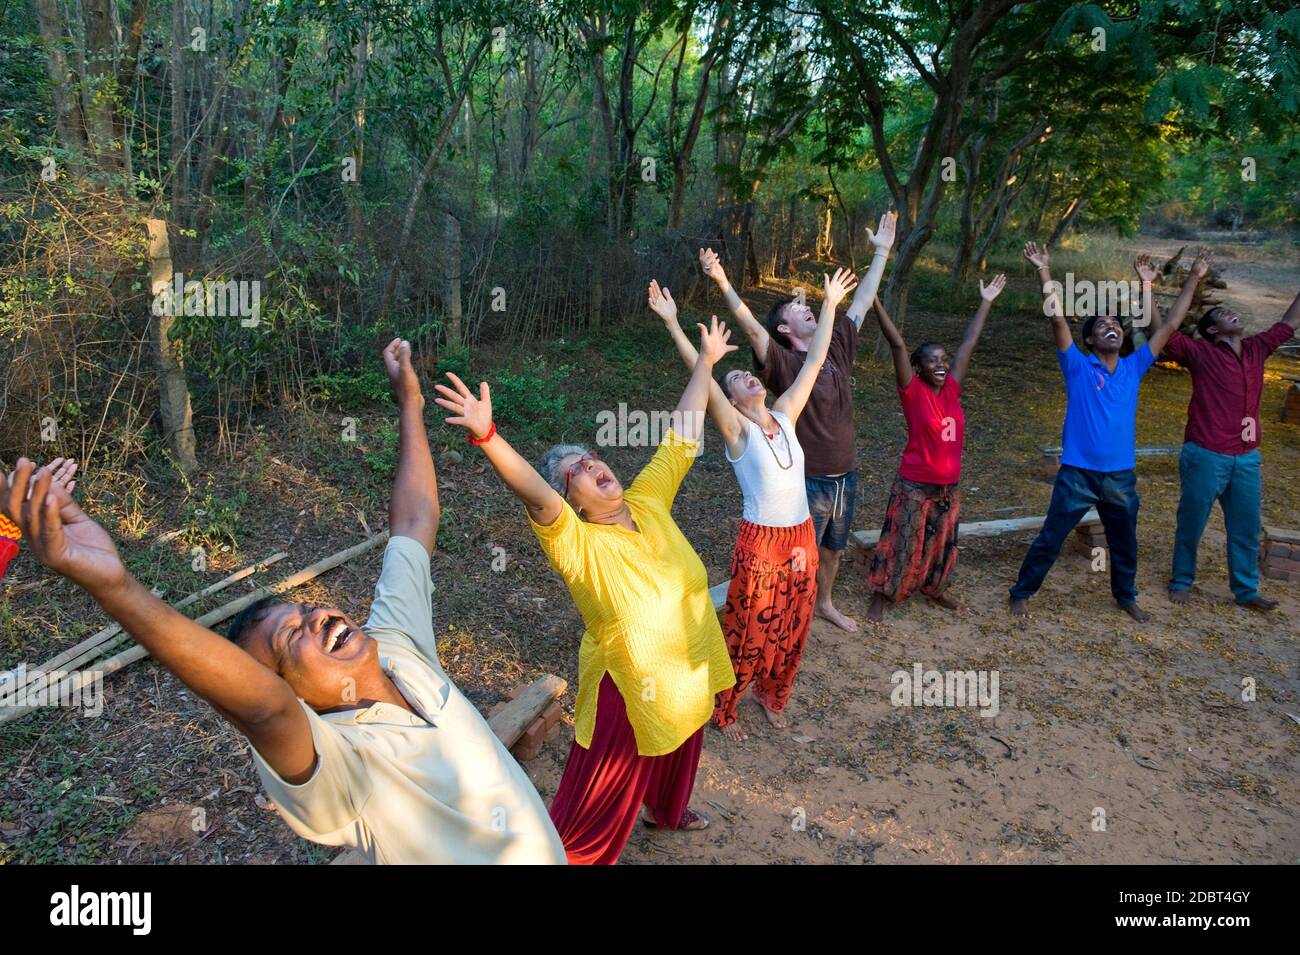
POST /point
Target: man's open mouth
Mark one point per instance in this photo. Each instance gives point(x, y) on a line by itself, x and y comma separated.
point(1111, 335)
point(336, 634)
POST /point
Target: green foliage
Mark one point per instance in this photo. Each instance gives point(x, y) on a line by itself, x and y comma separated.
point(212, 520)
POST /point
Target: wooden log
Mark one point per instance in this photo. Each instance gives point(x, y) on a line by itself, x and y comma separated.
point(983, 528)
point(75, 681)
point(1054, 451)
point(508, 723)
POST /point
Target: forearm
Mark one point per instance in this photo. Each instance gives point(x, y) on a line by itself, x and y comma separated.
point(413, 509)
point(753, 330)
point(690, 408)
point(1292, 314)
point(971, 339)
point(1052, 306)
point(213, 667)
point(522, 478)
point(866, 292)
point(796, 396)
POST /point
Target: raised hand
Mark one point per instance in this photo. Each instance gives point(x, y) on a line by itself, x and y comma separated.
point(1146, 271)
point(472, 414)
point(714, 341)
point(993, 289)
point(661, 303)
point(836, 288)
point(1202, 264)
point(1038, 258)
point(883, 237)
point(711, 265)
point(401, 374)
point(56, 530)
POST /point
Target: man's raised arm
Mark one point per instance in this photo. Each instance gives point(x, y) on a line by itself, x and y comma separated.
point(1051, 300)
point(413, 508)
point(711, 265)
point(882, 240)
point(255, 700)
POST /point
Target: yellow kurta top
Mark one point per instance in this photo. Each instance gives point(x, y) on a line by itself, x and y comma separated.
point(644, 597)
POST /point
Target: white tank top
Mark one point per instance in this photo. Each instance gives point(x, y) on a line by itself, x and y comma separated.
point(770, 472)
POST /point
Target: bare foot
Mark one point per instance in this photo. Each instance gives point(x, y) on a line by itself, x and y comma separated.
point(946, 601)
point(876, 612)
point(1136, 612)
point(776, 719)
point(1179, 596)
point(1019, 607)
point(1262, 604)
point(734, 732)
point(828, 612)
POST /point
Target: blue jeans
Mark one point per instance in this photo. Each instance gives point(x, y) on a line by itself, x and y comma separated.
point(830, 502)
point(1232, 480)
point(1114, 494)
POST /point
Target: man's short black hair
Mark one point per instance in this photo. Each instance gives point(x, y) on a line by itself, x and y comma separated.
point(250, 616)
point(1088, 325)
point(1206, 322)
point(774, 319)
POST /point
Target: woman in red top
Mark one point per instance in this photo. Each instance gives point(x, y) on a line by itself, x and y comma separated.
point(918, 542)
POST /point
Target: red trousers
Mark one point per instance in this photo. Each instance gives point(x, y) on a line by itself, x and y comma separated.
point(768, 613)
point(604, 786)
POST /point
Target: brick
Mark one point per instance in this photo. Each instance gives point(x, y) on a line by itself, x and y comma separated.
point(1279, 550)
point(551, 716)
point(530, 744)
point(1283, 564)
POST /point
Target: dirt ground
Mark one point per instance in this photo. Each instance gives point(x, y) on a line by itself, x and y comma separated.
point(1142, 726)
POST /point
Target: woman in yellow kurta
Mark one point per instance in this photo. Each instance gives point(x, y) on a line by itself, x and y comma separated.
point(652, 656)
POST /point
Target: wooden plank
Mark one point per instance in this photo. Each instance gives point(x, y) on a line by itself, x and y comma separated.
point(983, 528)
point(508, 723)
point(1049, 451)
point(1283, 535)
point(511, 720)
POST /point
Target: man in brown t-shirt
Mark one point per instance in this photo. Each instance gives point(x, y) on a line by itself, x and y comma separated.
point(825, 429)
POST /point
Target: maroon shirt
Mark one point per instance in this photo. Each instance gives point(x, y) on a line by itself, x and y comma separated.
point(825, 428)
point(1225, 388)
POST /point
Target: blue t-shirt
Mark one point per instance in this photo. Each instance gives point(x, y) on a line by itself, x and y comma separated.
point(1100, 429)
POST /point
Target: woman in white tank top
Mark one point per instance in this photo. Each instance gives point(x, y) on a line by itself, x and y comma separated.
point(774, 566)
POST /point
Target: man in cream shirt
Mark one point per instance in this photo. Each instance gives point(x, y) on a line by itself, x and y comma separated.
point(429, 784)
point(358, 734)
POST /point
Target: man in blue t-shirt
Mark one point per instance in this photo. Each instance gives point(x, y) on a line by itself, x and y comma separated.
point(1097, 458)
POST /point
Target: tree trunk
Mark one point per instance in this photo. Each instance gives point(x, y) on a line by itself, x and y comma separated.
point(1066, 222)
point(175, 416)
point(63, 82)
point(455, 333)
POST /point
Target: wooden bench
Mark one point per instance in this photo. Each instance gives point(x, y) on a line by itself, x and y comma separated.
point(1087, 530)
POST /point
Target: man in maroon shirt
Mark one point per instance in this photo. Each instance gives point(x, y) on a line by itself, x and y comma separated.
point(1220, 457)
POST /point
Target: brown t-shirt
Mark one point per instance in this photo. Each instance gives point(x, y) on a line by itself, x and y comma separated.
point(825, 429)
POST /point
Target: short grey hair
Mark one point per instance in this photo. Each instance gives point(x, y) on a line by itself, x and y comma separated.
point(550, 467)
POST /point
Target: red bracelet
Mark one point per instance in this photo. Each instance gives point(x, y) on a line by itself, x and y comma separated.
point(486, 438)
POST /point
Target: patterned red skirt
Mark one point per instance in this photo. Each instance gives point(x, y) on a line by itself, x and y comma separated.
point(769, 610)
point(918, 542)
